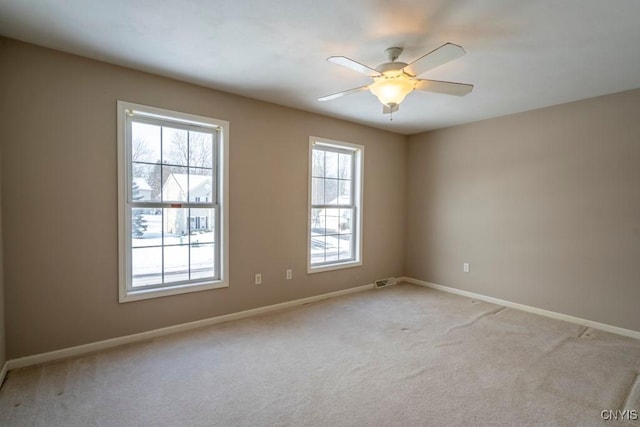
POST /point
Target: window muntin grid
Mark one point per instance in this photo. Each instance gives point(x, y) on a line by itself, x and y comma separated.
point(333, 206)
point(170, 261)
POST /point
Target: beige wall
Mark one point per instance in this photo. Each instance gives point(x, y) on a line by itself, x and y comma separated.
point(60, 200)
point(545, 205)
point(3, 354)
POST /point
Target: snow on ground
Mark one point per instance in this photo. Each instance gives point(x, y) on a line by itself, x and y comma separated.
point(195, 252)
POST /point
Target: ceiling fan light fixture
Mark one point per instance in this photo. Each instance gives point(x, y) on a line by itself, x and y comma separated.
point(391, 90)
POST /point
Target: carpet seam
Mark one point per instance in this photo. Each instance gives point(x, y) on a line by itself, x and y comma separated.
point(474, 320)
point(583, 332)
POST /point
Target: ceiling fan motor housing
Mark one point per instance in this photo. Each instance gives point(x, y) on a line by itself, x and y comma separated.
point(391, 68)
point(393, 53)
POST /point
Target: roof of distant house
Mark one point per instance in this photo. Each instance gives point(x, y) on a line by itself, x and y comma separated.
point(195, 181)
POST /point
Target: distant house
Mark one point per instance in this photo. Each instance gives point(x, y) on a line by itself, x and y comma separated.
point(144, 189)
point(195, 188)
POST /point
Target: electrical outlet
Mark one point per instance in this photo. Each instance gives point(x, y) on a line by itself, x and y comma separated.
point(289, 274)
point(465, 267)
point(258, 278)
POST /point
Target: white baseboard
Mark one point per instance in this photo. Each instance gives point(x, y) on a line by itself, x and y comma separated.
point(114, 342)
point(3, 372)
point(535, 310)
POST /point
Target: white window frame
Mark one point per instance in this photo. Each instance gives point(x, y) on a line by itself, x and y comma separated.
point(357, 191)
point(126, 291)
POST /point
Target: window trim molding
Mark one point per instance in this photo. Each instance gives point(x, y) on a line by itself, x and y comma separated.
point(123, 158)
point(358, 199)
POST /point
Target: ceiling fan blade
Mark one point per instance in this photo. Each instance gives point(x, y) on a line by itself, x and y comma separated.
point(356, 66)
point(445, 53)
point(343, 93)
point(448, 88)
point(390, 109)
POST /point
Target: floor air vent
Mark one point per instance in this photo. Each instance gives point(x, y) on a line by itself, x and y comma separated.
point(385, 282)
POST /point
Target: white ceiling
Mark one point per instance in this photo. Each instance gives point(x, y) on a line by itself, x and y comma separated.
point(521, 54)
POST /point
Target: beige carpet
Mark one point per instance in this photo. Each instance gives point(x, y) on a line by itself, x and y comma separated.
point(398, 356)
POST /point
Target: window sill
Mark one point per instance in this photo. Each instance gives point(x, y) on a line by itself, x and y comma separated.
point(331, 267)
point(136, 295)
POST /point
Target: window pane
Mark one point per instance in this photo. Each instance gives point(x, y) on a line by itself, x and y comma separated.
point(175, 187)
point(146, 227)
point(176, 226)
point(332, 244)
point(200, 149)
point(146, 266)
point(344, 166)
point(145, 143)
point(317, 220)
point(317, 249)
point(138, 225)
point(345, 192)
point(332, 221)
point(345, 246)
point(346, 226)
point(146, 183)
point(176, 263)
point(202, 225)
point(202, 261)
point(331, 191)
point(318, 163)
point(200, 185)
point(175, 147)
point(331, 164)
point(317, 191)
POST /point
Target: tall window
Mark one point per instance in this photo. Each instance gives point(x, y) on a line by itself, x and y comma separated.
point(172, 175)
point(335, 205)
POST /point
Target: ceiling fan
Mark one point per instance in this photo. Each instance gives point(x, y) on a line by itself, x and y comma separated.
point(394, 80)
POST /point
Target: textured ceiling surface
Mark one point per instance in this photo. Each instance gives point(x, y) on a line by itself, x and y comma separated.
point(521, 55)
